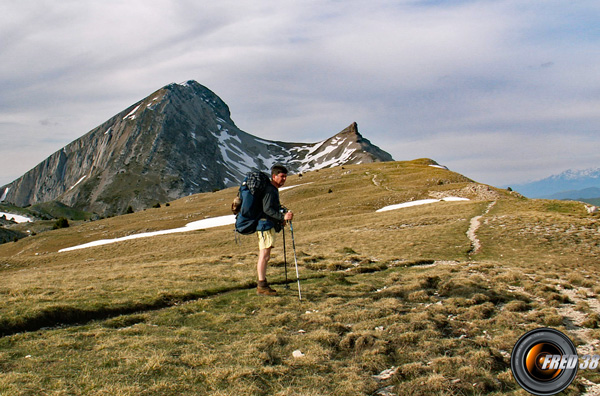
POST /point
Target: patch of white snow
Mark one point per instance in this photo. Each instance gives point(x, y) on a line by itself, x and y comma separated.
point(193, 226)
point(297, 185)
point(75, 185)
point(16, 218)
point(131, 115)
point(420, 202)
point(454, 199)
point(4, 194)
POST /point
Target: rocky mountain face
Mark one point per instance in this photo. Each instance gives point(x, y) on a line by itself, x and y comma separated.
point(178, 141)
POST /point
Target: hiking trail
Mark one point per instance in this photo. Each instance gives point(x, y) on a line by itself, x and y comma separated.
point(574, 321)
point(474, 226)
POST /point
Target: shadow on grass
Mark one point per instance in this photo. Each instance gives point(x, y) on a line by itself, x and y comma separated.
point(65, 315)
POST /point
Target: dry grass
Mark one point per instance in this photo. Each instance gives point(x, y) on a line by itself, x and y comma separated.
point(398, 291)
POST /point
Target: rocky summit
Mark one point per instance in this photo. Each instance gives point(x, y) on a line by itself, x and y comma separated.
point(180, 140)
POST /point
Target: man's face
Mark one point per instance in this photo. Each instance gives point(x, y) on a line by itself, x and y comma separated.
point(279, 179)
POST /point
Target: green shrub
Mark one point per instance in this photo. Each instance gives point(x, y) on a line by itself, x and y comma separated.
point(61, 223)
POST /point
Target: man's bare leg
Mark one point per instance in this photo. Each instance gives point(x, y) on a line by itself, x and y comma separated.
point(264, 255)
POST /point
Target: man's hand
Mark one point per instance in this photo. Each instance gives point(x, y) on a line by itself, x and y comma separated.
point(288, 216)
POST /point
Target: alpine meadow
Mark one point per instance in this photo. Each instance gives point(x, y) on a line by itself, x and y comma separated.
point(424, 299)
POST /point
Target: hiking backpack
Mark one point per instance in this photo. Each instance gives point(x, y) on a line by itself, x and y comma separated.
point(247, 206)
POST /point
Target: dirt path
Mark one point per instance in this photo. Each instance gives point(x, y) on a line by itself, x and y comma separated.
point(474, 226)
point(378, 183)
point(574, 322)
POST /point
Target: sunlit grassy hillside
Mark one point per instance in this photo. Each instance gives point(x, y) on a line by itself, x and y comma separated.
point(435, 294)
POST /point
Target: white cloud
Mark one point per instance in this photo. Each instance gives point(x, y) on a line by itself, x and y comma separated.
point(420, 73)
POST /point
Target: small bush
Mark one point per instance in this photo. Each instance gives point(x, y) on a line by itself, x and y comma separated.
point(553, 320)
point(61, 223)
point(517, 306)
point(419, 296)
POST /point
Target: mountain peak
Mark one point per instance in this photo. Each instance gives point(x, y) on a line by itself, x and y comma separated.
point(180, 140)
point(351, 130)
point(194, 88)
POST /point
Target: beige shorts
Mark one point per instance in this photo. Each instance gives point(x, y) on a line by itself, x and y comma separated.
point(266, 239)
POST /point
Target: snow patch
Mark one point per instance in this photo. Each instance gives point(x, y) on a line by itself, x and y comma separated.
point(193, 226)
point(297, 185)
point(420, 202)
point(131, 115)
point(230, 146)
point(75, 185)
point(314, 148)
point(4, 194)
point(335, 161)
point(16, 218)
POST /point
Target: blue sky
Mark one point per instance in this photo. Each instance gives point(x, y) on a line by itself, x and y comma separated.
point(500, 91)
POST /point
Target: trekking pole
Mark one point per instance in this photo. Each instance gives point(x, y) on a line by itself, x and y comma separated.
point(287, 286)
point(295, 260)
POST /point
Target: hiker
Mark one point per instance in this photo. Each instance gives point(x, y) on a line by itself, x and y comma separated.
point(272, 221)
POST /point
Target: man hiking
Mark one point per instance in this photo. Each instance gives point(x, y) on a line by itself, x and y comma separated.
point(272, 220)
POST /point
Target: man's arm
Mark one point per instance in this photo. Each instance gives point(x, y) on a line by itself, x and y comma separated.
point(271, 205)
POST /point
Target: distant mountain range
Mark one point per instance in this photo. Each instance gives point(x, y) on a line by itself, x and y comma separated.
point(571, 184)
point(586, 193)
point(180, 140)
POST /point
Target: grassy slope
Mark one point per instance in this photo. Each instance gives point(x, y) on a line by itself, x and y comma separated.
point(177, 314)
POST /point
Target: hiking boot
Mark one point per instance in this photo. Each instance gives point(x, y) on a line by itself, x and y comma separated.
point(265, 290)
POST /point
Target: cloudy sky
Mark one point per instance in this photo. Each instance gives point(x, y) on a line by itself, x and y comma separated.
point(502, 91)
